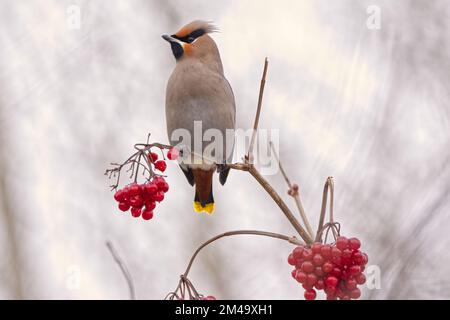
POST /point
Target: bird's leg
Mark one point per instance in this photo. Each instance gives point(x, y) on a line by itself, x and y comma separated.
point(221, 167)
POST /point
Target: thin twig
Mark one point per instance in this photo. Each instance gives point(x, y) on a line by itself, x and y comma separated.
point(295, 195)
point(323, 209)
point(123, 268)
point(135, 161)
point(249, 157)
point(292, 240)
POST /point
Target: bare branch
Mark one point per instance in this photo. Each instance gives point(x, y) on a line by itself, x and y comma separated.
point(123, 268)
point(249, 156)
point(292, 240)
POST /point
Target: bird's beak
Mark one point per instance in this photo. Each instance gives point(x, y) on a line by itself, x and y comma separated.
point(170, 38)
point(167, 37)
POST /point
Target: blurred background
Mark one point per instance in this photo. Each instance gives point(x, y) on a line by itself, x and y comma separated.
point(362, 100)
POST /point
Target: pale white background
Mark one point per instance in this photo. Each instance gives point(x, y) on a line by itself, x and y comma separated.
point(369, 107)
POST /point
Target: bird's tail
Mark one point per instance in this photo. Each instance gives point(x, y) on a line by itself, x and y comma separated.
point(203, 200)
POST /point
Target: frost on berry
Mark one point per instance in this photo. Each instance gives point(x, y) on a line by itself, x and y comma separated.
point(336, 269)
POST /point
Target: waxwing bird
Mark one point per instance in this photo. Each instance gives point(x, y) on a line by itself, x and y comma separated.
point(198, 97)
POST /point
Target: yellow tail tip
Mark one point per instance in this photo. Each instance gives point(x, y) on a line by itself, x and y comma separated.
point(208, 208)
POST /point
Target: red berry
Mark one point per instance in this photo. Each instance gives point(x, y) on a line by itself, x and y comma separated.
point(354, 243)
point(150, 205)
point(298, 252)
point(307, 254)
point(318, 260)
point(360, 278)
point(137, 202)
point(147, 214)
point(159, 196)
point(351, 284)
point(310, 294)
point(354, 270)
point(134, 190)
point(331, 281)
point(119, 195)
point(306, 286)
point(300, 276)
point(336, 272)
point(163, 186)
point(337, 260)
point(173, 153)
point(311, 279)
point(355, 293)
point(329, 291)
point(357, 257)
point(291, 260)
point(316, 247)
point(294, 273)
point(347, 254)
point(327, 267)
point(307, 267)
point(151, 188)
point(320, 285)
point(152, 157)
point(335, 252)
point(341, 243)
point(124, 206)
point(126, 192)
point(326, 251)
point(135, 212)
point(319, 272)
point(160, 165)
point(365, 259)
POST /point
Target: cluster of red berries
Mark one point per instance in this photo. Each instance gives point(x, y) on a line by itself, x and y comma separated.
point(337, 269)
point(141, 199)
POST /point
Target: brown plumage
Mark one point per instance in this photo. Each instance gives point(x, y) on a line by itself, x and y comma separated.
point(198, 91)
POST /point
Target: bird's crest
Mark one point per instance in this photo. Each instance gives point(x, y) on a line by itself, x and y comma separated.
point(205, 26)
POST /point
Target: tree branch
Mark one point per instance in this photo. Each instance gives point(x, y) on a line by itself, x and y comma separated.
point(275, 196)
point(123, 268)
point(292, 240)
point(249, 156)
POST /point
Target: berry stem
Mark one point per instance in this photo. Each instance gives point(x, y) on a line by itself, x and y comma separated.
point(135, 161)
point(137, 168)
point(292, 240)
point(329, 185)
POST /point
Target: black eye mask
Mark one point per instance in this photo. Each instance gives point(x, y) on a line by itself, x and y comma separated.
point(190, 37)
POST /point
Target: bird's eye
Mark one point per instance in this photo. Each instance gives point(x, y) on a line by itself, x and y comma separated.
point(190, 39)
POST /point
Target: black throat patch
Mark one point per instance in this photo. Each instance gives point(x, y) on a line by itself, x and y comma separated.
point(177, 50)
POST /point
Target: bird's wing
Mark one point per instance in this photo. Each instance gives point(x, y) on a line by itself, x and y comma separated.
point(198, 94)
